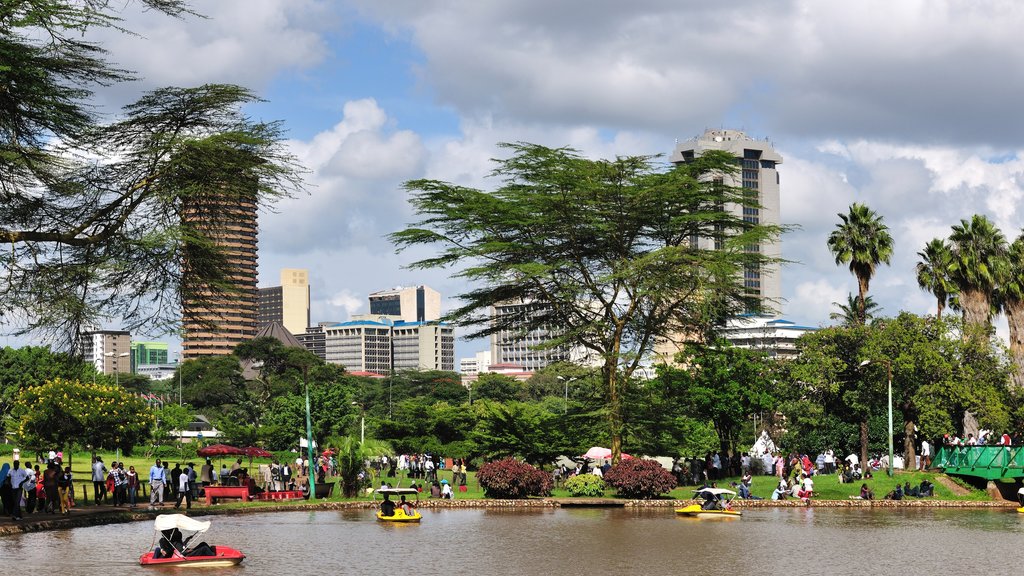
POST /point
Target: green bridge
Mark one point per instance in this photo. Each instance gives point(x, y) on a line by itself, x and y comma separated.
point(988, 462)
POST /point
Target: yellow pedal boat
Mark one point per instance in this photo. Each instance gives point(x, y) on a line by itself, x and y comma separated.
point(1020, 510)
point(398, 514)
point(716, 505)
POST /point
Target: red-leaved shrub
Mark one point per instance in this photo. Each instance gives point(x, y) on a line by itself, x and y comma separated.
point(510, 478)
point(638, 478)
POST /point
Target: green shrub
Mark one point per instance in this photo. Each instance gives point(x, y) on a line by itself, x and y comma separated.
point(590, 485)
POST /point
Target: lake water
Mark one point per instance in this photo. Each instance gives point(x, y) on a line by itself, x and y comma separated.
point(789, 541)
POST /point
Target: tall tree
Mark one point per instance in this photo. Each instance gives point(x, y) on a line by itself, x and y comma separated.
point(1012, 300)
point(863, 241)
point(94, 214)
point(602, 247)
point(976, 269)
point(933, 273)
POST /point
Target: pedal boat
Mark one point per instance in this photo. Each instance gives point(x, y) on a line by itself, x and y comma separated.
point(399, 516)
point(716, 505)
point(165, 524)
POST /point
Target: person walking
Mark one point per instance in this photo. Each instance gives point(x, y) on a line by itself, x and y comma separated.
point(120, 485)
point(133, 486)
point(156, 483)
point(184, 492)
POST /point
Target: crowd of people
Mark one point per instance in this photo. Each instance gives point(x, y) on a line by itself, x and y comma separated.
point(28, 489)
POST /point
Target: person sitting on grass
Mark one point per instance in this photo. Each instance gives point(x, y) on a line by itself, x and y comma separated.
point(866, 493)
point(927, 489)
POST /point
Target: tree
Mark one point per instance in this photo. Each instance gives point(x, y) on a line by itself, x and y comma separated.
point(498, 387)
point(849, 313)
point(212, 382)
point(723, 384)
point(94, 219)
point(351, 456)
point(933, 272)
point(61, 413)
point(517, 429)
point(1012, 300)
point(602, 249)
point(171, 417)
point(31, 365)
point(863, 241)
point(977, 265)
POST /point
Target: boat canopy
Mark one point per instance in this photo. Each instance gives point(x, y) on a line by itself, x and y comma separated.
point(715, 491)
point(181, 522)
point(388, 491)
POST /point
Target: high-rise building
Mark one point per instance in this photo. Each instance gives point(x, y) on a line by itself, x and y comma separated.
point(412, 304)
point(760, 182)
point(528, 349)
point(216, 318)
point(108, 350)
point(315, 339)
point(288, 303)
point(378, 345)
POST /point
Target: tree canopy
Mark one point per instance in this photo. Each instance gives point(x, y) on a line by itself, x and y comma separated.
point(604, 250)
point(94, 213)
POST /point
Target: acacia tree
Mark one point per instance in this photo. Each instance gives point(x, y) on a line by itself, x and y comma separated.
point(93, 220)
point(603, 250)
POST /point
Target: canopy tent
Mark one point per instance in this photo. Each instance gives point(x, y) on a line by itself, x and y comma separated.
point(181, 522)
point(220, 450)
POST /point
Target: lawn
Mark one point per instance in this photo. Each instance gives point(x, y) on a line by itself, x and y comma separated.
point(826, 487)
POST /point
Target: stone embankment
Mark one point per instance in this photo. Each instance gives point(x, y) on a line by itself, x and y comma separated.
point(96, 517)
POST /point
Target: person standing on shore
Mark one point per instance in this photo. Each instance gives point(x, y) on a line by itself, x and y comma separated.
point(17, 476)
point(99, 479)
point(50, 486)
point(133, 486)
point(156, 483)
point(65, 489)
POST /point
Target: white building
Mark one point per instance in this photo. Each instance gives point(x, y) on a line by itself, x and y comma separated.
point(774, 336)
point(108, 350)
point(529, 349)
point(759, 178)
point(365, 345)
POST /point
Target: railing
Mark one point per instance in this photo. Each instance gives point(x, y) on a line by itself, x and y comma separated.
point(991, 462)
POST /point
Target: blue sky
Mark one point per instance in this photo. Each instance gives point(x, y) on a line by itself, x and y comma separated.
point(910, 107)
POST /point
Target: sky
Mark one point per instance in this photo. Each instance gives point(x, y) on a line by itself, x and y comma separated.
point(911, 107)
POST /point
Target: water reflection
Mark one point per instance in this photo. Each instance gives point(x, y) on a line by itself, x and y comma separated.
point(576, 541)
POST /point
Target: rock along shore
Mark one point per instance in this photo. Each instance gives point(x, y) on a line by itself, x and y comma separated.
point(98, 517)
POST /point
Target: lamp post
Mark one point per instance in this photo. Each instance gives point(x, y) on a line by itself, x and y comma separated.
point(181, 362)
point(565, 401)
point(888, 372)
point(117, 368)
point(362, 421)
point(309, 436)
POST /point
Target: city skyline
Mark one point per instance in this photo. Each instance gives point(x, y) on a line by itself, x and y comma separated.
point(906, 108)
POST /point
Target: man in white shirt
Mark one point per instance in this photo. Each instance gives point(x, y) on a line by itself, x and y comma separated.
point(926, 454)
point(18, 476)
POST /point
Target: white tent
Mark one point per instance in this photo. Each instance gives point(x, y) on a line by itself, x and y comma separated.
point(763, 444)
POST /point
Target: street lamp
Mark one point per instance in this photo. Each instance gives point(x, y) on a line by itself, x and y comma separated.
point(888, 371)
point(181, 362)
point(362, 421)
point(117, 369)
point(565, 402)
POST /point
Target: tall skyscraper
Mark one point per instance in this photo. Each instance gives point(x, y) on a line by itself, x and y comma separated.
point(760, 181)
point(226, 315)
point(412, 304)
point(108, 350)
point(288, 303)
point(528, 350)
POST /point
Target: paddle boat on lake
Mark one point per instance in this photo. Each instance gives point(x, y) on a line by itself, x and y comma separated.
point(717, 504)
point(401, 511)
point(174, 532)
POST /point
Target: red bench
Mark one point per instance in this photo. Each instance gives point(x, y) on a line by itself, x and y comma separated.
point(215, 492)
point(281, 495)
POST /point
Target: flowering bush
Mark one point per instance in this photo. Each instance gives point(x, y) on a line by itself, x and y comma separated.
point(585, 485)
point(510, 478)
point(638, 478)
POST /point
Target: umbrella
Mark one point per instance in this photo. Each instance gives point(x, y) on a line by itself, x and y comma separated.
point(256, 452)
point(220, 450)
point(599, 453)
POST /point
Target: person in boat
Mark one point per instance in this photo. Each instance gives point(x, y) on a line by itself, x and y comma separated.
point(387, 507)
point(170, 542)
point(405, 506)
point(711, 501)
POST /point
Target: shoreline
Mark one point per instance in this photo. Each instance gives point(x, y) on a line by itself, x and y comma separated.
point(91, 517)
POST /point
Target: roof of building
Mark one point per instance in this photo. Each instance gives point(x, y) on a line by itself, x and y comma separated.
point(271, 330)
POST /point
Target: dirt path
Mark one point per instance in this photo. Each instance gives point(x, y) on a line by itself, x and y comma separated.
point(953, 487)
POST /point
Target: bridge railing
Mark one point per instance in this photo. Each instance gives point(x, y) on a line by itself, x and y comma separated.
point(987, 461)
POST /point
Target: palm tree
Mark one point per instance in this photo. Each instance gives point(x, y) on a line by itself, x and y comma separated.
point(863, 241)
point(1012, 298)
point(933, 273)
point(977, 265)
point(352, 457)
point(848, 313)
